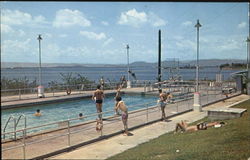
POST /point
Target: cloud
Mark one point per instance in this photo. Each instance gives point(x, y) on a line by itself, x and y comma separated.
point(67, 18)
point(242, 25)
point(229, 45)
point(14, 49)
point(6, 28)
point(133, 18)
point(155, 20)
point(187, 23)
point(105, 23)
point(108, 41)
point(93, 35)
point(186, 44)
point(16, 17)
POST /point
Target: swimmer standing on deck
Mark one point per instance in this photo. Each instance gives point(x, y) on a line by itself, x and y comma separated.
point(121, 106)
point(98, 97)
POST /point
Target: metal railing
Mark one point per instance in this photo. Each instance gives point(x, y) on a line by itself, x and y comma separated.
point(15, 124)
point(60, 90)
point(68, 128)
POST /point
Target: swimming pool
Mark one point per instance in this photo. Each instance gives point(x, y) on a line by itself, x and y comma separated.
point(69, 110)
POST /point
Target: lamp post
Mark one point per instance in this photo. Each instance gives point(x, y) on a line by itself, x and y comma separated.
point(128, 82)
point(40, 87)
point(197, 103)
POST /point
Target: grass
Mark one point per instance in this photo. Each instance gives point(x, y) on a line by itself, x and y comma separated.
point(230, 142)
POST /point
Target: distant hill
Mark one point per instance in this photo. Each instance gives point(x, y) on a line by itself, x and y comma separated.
point(204, 62)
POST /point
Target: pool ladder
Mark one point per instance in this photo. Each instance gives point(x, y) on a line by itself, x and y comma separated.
point(16, 121)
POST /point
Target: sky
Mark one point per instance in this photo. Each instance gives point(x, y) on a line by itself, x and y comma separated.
point(98, 32)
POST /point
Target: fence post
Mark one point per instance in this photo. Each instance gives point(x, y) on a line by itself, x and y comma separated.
point(24, 150)
point(14, 128)
point(53, 92)
point(68, 134)
point(207, 96)
point(102, 127)
point(177, 107)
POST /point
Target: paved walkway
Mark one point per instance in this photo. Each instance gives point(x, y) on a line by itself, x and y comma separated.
point(117, 144)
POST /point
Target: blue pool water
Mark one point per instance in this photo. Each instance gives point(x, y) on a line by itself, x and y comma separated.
point(71, 109)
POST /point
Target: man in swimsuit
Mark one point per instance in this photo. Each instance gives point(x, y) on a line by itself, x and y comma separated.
point(121, 106)
point(183, 126)
point(98, 97)
point(38, 113)
point(162, 101)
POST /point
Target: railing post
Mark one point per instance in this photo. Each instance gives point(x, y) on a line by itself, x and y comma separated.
point(207, 96)
point(14, 128)
point(68, 133)
point(177, 106)
point(24, 150)
point(19, 90)
point(102, 127)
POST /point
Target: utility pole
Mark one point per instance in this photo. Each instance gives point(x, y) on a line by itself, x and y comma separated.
point(159, 60)
point(197, 103)
point(128, 82)
point(40, 87)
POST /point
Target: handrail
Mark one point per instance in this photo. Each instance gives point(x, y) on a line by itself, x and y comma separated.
point(6, 124)
point(25, 122)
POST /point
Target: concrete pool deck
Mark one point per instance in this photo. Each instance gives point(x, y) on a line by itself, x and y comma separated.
point(117, 144)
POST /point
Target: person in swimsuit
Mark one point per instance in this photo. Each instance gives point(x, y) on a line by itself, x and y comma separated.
point(118, 94)
point(121, 106)
point(99, 125)
point(162, 102)
point(38, 113)
point(80, 116)
point(98, 97)
point(169, 97)
point(102, 83)
point(183, 126)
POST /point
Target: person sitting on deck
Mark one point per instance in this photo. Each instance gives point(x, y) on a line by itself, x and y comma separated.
point(38, 113)
point(183, 126)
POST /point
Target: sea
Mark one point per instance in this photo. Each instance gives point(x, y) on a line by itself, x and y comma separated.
point(112, 74)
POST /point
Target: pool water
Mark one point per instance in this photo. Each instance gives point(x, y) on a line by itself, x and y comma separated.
point(69, 110)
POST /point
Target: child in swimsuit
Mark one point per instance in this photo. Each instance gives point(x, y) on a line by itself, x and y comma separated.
point(99, 125)
point(121, 105)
